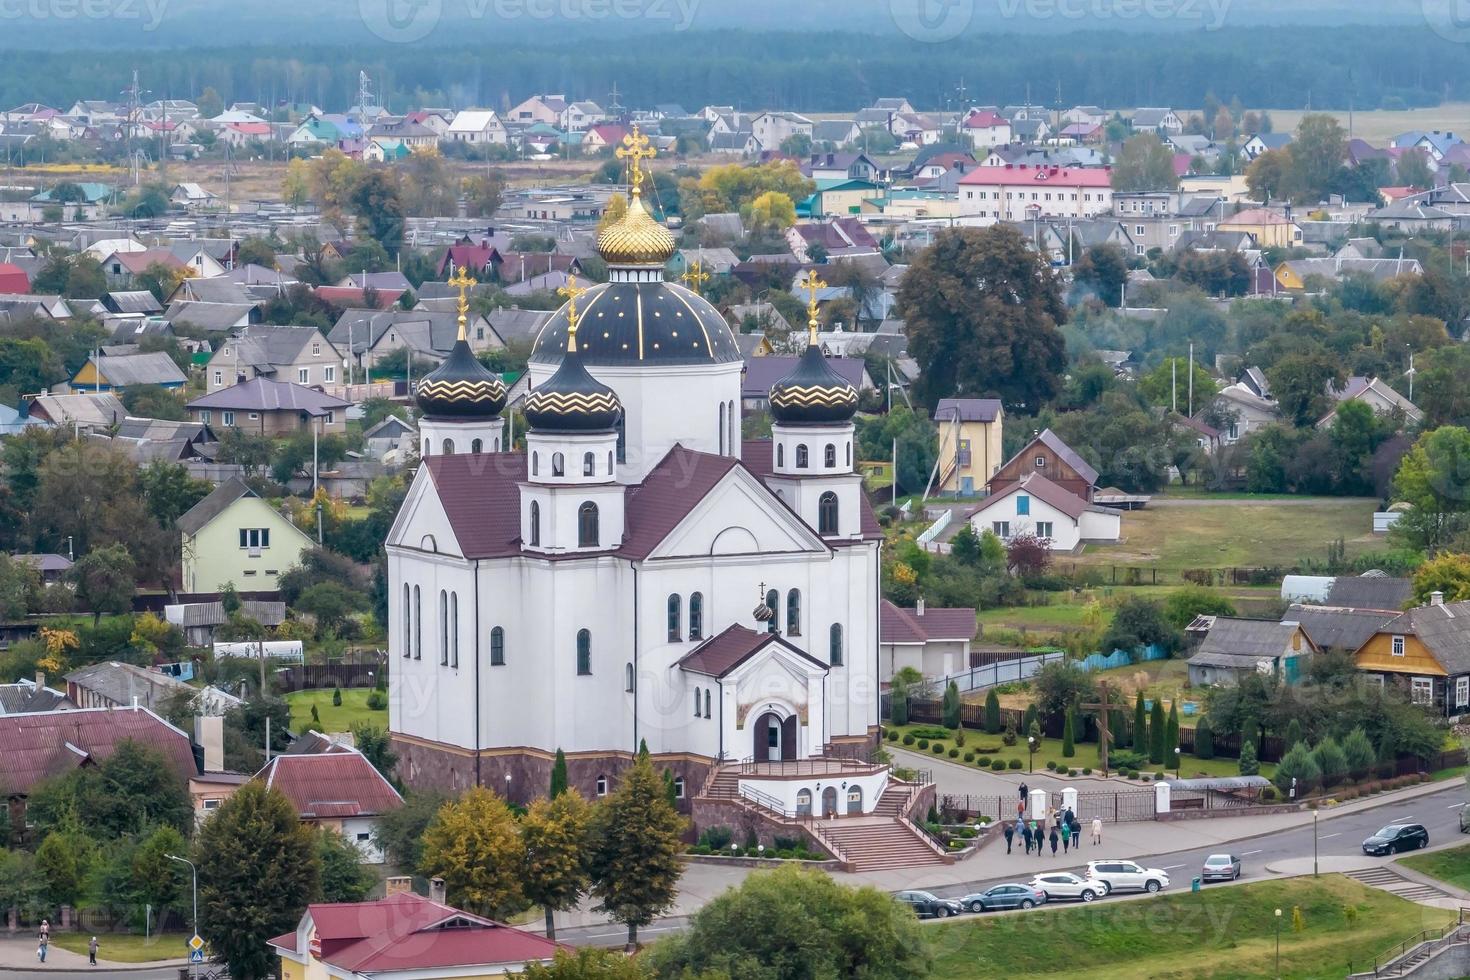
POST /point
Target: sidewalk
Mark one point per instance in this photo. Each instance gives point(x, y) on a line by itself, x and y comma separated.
point(18, 954)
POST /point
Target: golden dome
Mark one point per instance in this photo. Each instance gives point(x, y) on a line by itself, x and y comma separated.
point(636, 239)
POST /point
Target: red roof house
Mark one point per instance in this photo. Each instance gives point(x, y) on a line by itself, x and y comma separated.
point(13, 279)
point(340, 790)
point(935, 641)
point(352, 298)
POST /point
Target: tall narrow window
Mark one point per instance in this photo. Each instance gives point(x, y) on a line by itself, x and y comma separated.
point(477, 446)
point(706, 703)
point(449, 447)
point(622, 430)
point(793, 613)
point(497, 647)
point(407, 622)
point(696, 616)
point(780, 455)
point(443, 628)
point(535, 524)
point(609, 464)
point(849, 453)
point(558, 465)
point(827, 513)
point(829, 456)
point(418, 624)
point(584, 652)
point(698, 704)
point(589, 464)
point(535, 464)
point(628, 678)
point(801, 456)
point(722, 428)
point(834, 645)
point(773, 603)
point(675, 631)
point(454, 629)
point(587, 525)
point(734, 428)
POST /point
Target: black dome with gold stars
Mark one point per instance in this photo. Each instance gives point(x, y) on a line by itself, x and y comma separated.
point(641, 323)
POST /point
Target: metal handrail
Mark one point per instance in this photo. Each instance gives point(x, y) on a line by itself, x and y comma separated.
point(804, 767)
point(766, 800)
point(1421, 938)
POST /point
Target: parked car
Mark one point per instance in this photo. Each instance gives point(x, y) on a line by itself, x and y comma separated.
point(1397, 837)
point(1220, 867)
point(1127, 876)
point(927, 904)
point(1008, 896)
point(1064, 884)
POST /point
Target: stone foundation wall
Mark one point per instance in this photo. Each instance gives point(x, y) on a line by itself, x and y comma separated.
point(744, 820)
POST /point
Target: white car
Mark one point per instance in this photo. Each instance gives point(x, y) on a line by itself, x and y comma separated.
point(1064, 884)
point(1127, 876)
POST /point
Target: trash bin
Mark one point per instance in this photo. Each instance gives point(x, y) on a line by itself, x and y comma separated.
point(1194, 883)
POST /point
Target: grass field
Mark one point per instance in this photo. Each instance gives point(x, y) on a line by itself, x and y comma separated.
point(128, 948)
point(354, 709)
point(1451, 865)
point(1066, 609)
point(1239, 533)
point(1219, 933)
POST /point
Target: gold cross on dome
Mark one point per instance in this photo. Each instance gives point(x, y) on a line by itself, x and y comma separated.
point(813, 284)
point(463, 282)
point(636, 149)
point(695, 277)
point(571, 291)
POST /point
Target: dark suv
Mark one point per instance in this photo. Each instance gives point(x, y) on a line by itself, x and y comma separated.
point(927, 904)
point(1397, 837)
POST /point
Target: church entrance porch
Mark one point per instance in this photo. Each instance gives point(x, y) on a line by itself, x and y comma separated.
point(775, 738)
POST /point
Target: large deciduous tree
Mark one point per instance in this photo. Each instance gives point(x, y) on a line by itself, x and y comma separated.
point(1433, 478)
point(635, 863)
point(554, 834)
point(475, 846)
point(983, 313)
point(1144, 163)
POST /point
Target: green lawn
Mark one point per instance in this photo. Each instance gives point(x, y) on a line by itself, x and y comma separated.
point(1451, 865)
point(333, 719)
point(127, 948)
point(1221, 932)
point(1239, 533)
point(1065, 610)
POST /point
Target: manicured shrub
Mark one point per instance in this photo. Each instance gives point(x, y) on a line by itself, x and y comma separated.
point(908, 738)
point(1051, 765)
point(892, 735)
point(336, 697)
point(992, 713)
point(1071, 772)
point(1087, 770)
point(1069, 745)
point(1249, 765)
point(998, 765)
point(939, 748)
point(969, 757)
point(923, 743)
point(982, 760)
point(1015, 764)
point(950, 706)
point(959, 735)
point(377, 700)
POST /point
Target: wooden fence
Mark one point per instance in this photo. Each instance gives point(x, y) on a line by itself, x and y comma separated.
point(310, 677)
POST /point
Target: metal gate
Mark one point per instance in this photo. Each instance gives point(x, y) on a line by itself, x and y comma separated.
point(1113, 807)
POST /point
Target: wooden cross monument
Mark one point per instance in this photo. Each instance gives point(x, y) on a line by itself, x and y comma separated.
point(1103, 735)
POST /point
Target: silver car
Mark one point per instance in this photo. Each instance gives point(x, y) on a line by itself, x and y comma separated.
point(1220, 867)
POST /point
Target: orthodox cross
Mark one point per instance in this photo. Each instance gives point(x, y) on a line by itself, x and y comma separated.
point(636, 149)
point(463, 282)
point(695, 276)
point(1102, 723)
point(813, 284)
point(571, 291)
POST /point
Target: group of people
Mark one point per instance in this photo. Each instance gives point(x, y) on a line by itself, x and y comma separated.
point(43, 944)
point(1054, 827)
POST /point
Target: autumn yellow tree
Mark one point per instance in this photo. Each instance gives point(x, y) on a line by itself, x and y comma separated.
point(554, 832)
point(617, 208)
point(772, 210)
point(474, 844)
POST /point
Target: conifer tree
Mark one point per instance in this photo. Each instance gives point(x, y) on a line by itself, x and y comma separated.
point(635, 864)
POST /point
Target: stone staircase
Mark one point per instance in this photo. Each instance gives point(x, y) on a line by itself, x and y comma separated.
point(1394, 883)
point(895, 798)
point(876, 844)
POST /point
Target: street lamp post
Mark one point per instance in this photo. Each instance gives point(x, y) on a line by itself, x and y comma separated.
point(1177, 761)
point(194, 873)
point(1278, 944)
point(1031, 747)
point(1314, 842)
point(507, 787)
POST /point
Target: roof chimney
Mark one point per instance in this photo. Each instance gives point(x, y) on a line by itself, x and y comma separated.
point(919, 606)
point(1436, 598)
point(40, 680)
point(397, 885)
point(209, 735)
point(436, 890)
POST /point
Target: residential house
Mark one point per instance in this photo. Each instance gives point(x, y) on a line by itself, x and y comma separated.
point(233, 537)
point(208, 289)
point(603, 138)
point(13, 279)
point(771, 129)
point(404, 937)
point(367, 336)
point(1339, 629)
point(205, 258)
point(1237, 647)
point(538, 109)
point(739, 143)
point(201, 620)
point(1264, 142)
point(355, 298)
point(839, 237)
point(1296, 275)
point(1156, 120)
point(466, 256)
point(1270, 228)
point(1425, 652)
point(83, 412)
point(986, 129)
point(194, 197)
point(51, 568)
point(338, 790)
point(1088, 115)
point(845, 197)
point(390, 434)
point(969, 443)
point(135, 303)
point(1249, 410)
point(935, 642)
point(121, 267)
point(1413, 215)
point(26, 697)
point(1376, 394)
point(514, 325)
point(836, 133)
point(212, 317)
point(118, 685)
point(296, 354)
point(917, 128)
point(1030, 131)
point(579, 116)
point(477, 126)
point(840, 167)
point(390, 280)
point(271, 408)
point(1035, 505)
point(130, 370)
point(1016, 192)
point(717, 261)
point(1046, 454)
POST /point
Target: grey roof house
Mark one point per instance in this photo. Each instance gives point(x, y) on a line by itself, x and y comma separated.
point(1235, 647)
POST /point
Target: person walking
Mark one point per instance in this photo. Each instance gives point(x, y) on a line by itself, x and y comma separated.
point(46, 929)
point(92, 951)
point(1024, 792)
point(1076, 829)
point(1026, 836)
point(1021, 810)
point(1010, 832)
point(1066, 834)
point(1053, 839)
point(1097, 830)
point(41, 948)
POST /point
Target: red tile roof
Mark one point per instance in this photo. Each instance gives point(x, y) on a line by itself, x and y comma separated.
point(46, 744)
point(985, 120)
point(409, 932)
point(138, 262)
point(668, 493)
point(727, 650)
point(13, 279)
point(899, 625)
point(350, 297)
point(331, 784)
point(1048, 492)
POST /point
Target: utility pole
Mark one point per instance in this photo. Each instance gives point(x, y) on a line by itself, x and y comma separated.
point(1191, 379)
point(194, 873)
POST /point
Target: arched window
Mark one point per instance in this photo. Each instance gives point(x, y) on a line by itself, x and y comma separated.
point(773, 603)
point(449, 447)
point(697, 703)
point(829, 456)
point(535, 524)
point(601, 785)
point(584, 652)
point(722, 428)
point(426, 447)
point(535, 464)
point(454, 629)
point(827, 513)
point(675, 617)
point(407, 623)
point(497, 647)
point(734, 428)
point(628, 678)
point(801, 456)
point(587, 525)
point(418, 625)
point(609, 464)
point(834, 645)
point(477, 446)
point(780, 455)
point(622, 430)
point(558, 465)
point(793, 613)
point(849, 453)
point(589, 464)
point(678, 787)
point(443, 628)
point(706, 703)
point(497, 444)
point(696, 616)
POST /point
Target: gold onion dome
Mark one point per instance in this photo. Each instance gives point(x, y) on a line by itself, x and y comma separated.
point(813, 394)
point(635, 239)
point(461, 387)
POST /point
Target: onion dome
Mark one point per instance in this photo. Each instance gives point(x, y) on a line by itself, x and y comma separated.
point(461, 387)
point(571, 400)
point(636, 239)
point(813, 394)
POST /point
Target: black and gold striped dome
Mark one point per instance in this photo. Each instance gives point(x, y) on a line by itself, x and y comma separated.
point(813, 394)
point(461, 387)
point(571, 400)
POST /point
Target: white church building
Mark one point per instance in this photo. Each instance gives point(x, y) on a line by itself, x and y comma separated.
point(637, 573)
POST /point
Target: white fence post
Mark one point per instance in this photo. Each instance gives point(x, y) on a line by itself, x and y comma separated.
point(1161, 798)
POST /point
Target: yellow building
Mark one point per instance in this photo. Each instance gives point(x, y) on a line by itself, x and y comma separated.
point(969, 443)
point(234, 537)
point(1426, 652)
point(404, 937)
point(1271, 229)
